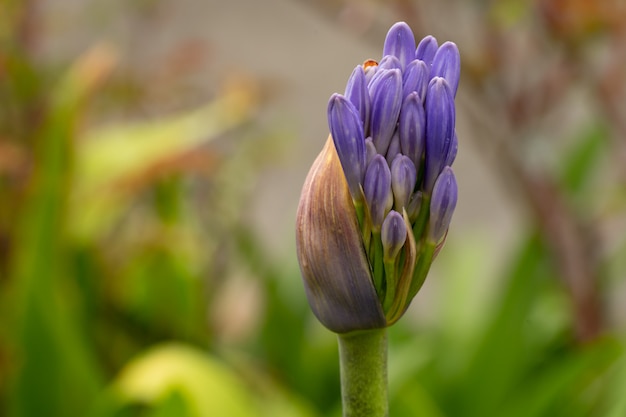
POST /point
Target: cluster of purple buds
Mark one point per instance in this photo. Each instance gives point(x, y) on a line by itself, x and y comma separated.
point(393, 132)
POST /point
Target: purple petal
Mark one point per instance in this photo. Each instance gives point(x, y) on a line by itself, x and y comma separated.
point(412, 128)
point(447, 64)
point(386, 94)
point(377, 189)
point(403, 179)
point(440, 119)
point(358, 94)
point(347, 131)
point(442, 204)
point(393, 234)
point(400, 42)
point(415, 78)
point(426, 50)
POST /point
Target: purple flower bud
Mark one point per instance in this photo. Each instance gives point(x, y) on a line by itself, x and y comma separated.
point(358, 94)
point(426, 50)
point(403, 179)
point(394, 148)
point(412, 128)
point(442, 205)
point(347, 131)
point(454, 147)
point(393, 234)
point(377, 189)
point(447, 64)
point(400, 42)
point(386, 94)
point(389, 62)
point(370, 151)
point(440, 119)
point(415, 78)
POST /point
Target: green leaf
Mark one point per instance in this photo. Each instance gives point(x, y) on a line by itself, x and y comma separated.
point(54, 357)
point(207, 387)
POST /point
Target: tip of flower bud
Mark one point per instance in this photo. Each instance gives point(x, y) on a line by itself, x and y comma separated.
point(358, 94)
point(440, 121)
point(346, 129)
point(426, 50)
point(412, 128)
point(442, 205)
point(377, 190)
point(393, 235)
point(447, 64)
point(403, 179)
point(400, 43)
point(386, 94)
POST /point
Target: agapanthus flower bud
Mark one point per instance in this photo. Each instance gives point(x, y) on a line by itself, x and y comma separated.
point(393, 235)
point(412, 128)
point(400, 43)
point(426, 50)
point(377, 188)
point(386, 94)
point(442, 205)
point(415, 79)
point(346, 129)
point(358, 94)
point(440, 120)
point(378, 200)
point(447, 64)
point(403, 179)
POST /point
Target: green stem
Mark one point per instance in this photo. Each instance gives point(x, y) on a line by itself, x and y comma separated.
point(363, 361)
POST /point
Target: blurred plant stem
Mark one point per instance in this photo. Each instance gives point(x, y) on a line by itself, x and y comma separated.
point(363, 362)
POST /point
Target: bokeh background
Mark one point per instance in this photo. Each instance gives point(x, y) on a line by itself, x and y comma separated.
point(151, 159)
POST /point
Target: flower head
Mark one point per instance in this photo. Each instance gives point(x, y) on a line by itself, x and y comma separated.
point(378, 201)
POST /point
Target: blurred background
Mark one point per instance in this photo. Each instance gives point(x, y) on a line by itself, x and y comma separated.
point(151, 158)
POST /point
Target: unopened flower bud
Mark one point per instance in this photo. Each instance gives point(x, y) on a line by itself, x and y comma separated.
point(426, 50)
point(415, 79)
point(346, 129)
point(386, 94)
point(442, 205)
point(377, 203)
point(447, 64)
point(393, 235)
point(403, 179)
point(358, 94)
point(412, 128)
point(400, 43)
point(377, 189)
point(440, 120)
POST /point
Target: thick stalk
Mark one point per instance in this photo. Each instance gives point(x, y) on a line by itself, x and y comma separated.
point(363, 362)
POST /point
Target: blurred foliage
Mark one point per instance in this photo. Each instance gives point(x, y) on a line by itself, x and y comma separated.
point(131, 284)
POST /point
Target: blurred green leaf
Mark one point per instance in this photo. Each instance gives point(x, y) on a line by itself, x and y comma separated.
point(110, 160)
point(208, 387)
point(54, 357)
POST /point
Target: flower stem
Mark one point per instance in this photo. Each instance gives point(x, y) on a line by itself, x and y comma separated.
point(363, 362)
